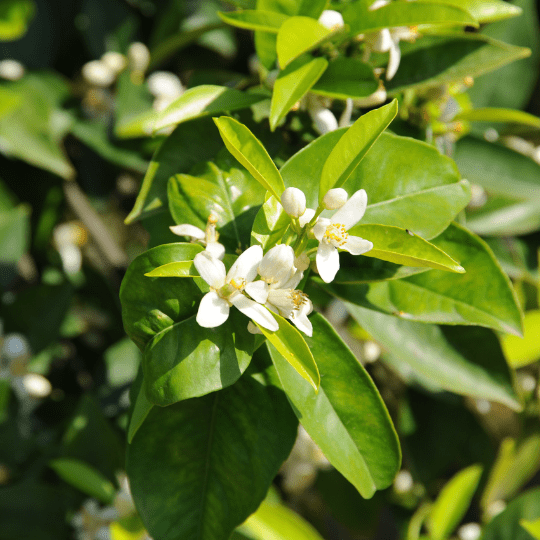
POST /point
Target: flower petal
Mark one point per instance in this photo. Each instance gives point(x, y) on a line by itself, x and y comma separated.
point(356, 245)
point(294, 281)
point(258, 290)
point(255, 311)
point(382, 41)
point(352, 211)
point(213, 310)
point(212, 270)
point(393, 60)
point(327, 260)
point(277, 265)
point(320, 227)
point(188, 230)
point(216, 249)
point(306, 217)
point(301, 321)
point(246, 265)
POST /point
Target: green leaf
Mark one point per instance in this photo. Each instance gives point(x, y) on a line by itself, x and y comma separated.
point(175, 269)
point(311, 8)
point(532, 527)
point(507, 524)
point(85, 478)
point(524, 351)
point(402, 247)
point(186, 360)
point(249, 151)
point(346, 78)
point(297, 36)
point(251, 19)
point(204, 100)
point(292, 84)
point(436, 60)
point(292, 347)
point(354, 145)
point(452, 503)
point(187, 145)
point(362, 20)
point(15, 16)
point(271, 223)
point(133, 108)
point(153, 304)
point(467, 361)
point(14, 240)
point(485, 11)
point(200, 467)
point(497, 114)
point(140, 408)
point(347, 408)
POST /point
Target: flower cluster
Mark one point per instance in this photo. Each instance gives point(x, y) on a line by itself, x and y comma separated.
point(260, 285)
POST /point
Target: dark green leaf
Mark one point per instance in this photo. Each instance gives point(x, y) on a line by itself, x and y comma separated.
point(15, 16)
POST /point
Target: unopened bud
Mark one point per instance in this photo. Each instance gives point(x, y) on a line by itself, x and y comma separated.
point(36, 386)
point(139, 56)
point(98, 73)
point(165, 83)
point(114, 61)
point(293, 201)
point(335, 198)
point(331, 19)
point(11, 69)
point(324, 120)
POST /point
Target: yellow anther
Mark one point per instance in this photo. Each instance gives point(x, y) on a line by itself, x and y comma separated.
point(298, 298)
point(212, 219)
point(336, 234)
point(238, 284)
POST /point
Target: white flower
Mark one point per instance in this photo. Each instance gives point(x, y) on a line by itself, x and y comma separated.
point(11, 70)
point(331, 19)
point(306, 217)
point(139, 56)
point(332, 234)
point(98, 73)
point(227, 289)
point(293, 201)
point(114, 60)
point(335, 198)
point(208, 237)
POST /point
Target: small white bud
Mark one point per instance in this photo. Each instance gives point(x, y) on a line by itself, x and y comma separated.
point(114, 61)
point(11, 70)
point(324, 120)
point(293, 201)
point(139, 56)
point(335, 198)
point(37, 386)
point(331, 19)
point(403, 482)
point(165, 84)
point(15, 346)
point(469, 531)
point(98, 73)
point(306, 217)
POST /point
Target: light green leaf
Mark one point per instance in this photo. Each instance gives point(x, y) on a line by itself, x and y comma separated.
point(174, 269)
point(297, 36)
point(524, 351)
point(485, 11)
point(447, 59)
point(85, 478)
point(200, 467)
point(399, 246)
point(532, 527)
point(15, 16)
point(251, 19)
point(204, 100)
point(497, 114)
point(361, 19)
point(452, 503)
point(271, 223)
point(249, 151)
point(346, 78)
point(292, 84)
point(354, 145)
point(467, 361)
point(292, 346)
point(347, 408)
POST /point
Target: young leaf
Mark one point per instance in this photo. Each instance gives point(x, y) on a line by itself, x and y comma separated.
point(271, 223)
point(532, 527)
point(403, 247)
point(347, 408)
point(251, 19)
point(498, 114)
point(524, 351)
point(202, 101)
point(249, 151)
point(200, 467)
point(293, 348)
point(452, 502)
point(467, 361)
point(292, 84)
point(485, 11)
point(297, 36)
point(174, 269)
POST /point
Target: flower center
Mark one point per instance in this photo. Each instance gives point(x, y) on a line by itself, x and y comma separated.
point(234, 286)
point(298, 298)
point(336, 234)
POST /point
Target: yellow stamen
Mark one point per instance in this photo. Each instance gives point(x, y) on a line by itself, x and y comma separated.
point(336, 233)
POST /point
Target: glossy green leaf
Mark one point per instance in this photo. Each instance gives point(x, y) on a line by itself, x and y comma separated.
point(141, 406)
point(271, 223)
point(436, 60)
point(354, 145)
point(204, 100)
point(346, 78)
point(399, 246)
point(15, 16)
point(85, 478)
point(200, 467)
point(361, 19)
point(186, 360)
point(249, 151)
point(251, 19)
point(292, 84)
point(507, 524)
point(452, 503)
point(187, 145)
point(311, 8)
point(297, 36)
point(347, 408)
point(175, 269)
point(291, 345)
point(524, 351)
point(467, 361)
point(497, 114)
point(153, 304)
point(485, 11)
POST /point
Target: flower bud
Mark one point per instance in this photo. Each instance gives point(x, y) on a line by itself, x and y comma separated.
point(324, 120)
point(293, 201)
point(98, 73)
point(139, 56)
point(165, 83)
point(11, 70)
point(114, 61)
point(331, 19)
point(335, 198)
